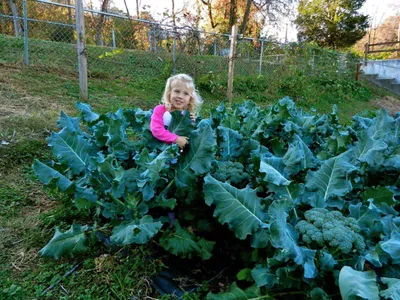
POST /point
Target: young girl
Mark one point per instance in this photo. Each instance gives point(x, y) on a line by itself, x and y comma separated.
point(179, 94)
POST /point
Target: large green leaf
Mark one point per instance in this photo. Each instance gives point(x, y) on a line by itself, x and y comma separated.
point(366, 216)
point(369, 150)
point(272, 174)
point(46, 175)
point(263, 276)
point(236, 293)
point(70, 242)
point(393, 290)
point(299, 156)
point(155, 167)
point(292, 192)
point(110, 129)
point(64, 121)
point(380, 195)
point(181, 124)
point(71, 149)
point(111, 174)
point(382, 125)
point(241, 209)
point(392, 246)
point(392, 161)
point(137, 231)
point(198, 159)
point(185, 244)
point(230, 145)
point(332, 177)
point(354, 283)
point(87, 113)
point(284, 236)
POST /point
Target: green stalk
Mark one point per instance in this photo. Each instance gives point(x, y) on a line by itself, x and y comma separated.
point(117, 200)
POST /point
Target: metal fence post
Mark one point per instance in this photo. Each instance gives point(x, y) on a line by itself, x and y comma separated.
point(82, 51)
point(215, 48)
point(113, 38)
point(26, 40)
point(174, 53)
point(261, 58)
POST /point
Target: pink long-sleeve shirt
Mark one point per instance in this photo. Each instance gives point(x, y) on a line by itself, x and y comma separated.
point(157, 126)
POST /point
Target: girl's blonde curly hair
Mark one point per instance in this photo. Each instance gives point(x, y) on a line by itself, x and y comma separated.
point(195, 99)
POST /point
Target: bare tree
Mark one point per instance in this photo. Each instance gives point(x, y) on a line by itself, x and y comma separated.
point(138, 2)
point(100, 23)
point(232, 13)
point(243, 26)
point(208, 3)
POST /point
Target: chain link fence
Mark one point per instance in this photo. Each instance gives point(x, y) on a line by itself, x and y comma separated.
point(42, 33)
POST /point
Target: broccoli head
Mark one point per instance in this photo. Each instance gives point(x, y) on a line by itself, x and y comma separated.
point(231, 171)
point(324, 227)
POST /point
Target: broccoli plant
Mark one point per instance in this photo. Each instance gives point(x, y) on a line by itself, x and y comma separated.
point(250, 174)
point(330, 228)
point(231, 171)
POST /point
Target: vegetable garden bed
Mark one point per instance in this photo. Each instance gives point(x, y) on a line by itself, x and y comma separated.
point(261, 185)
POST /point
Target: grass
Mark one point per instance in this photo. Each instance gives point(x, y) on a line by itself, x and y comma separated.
point(30, 102)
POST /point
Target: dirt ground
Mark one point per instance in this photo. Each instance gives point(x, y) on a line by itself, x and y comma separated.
point(391, 104)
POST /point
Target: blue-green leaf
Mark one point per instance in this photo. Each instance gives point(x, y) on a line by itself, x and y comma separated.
point(355, 283)
point(87, 113)
point(65, 121)
point(181, 124)
point(137, 231)
point(198, 159)
point(380, 195)
point(392, 246)
point(185, 244)
point(319, 294)
point(392, 161)
point(46, 175)
point(241, 209)
point(70, 242)
point(331, 179)
point(72, 149)
point(236, 293)
point(230, 145)
point(298, 157)
point(369, 150)
point(393, 290)
point(263, 276)
point(272, 175)
point(284, 236)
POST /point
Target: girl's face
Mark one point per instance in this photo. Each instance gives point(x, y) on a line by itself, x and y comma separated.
point(180, 96)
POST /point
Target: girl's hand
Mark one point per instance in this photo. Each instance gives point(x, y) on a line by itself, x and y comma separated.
point(192, 116)
point(182, 141)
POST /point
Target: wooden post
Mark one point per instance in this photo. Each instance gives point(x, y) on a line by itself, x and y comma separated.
point(261, 58)
point(232, 55)
point(366, 53)
point(26, 39)
point(82, 51)
point(358, 67)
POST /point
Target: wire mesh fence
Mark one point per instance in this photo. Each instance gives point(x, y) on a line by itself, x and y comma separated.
point(42, 33)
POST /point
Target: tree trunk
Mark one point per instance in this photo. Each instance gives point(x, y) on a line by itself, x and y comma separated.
point(245, 17)
point(69, 12)
point(100, 23)
point(232, 13)
point(210, 15)
point(173, 14)
point(138, 9)
point(17, 24)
